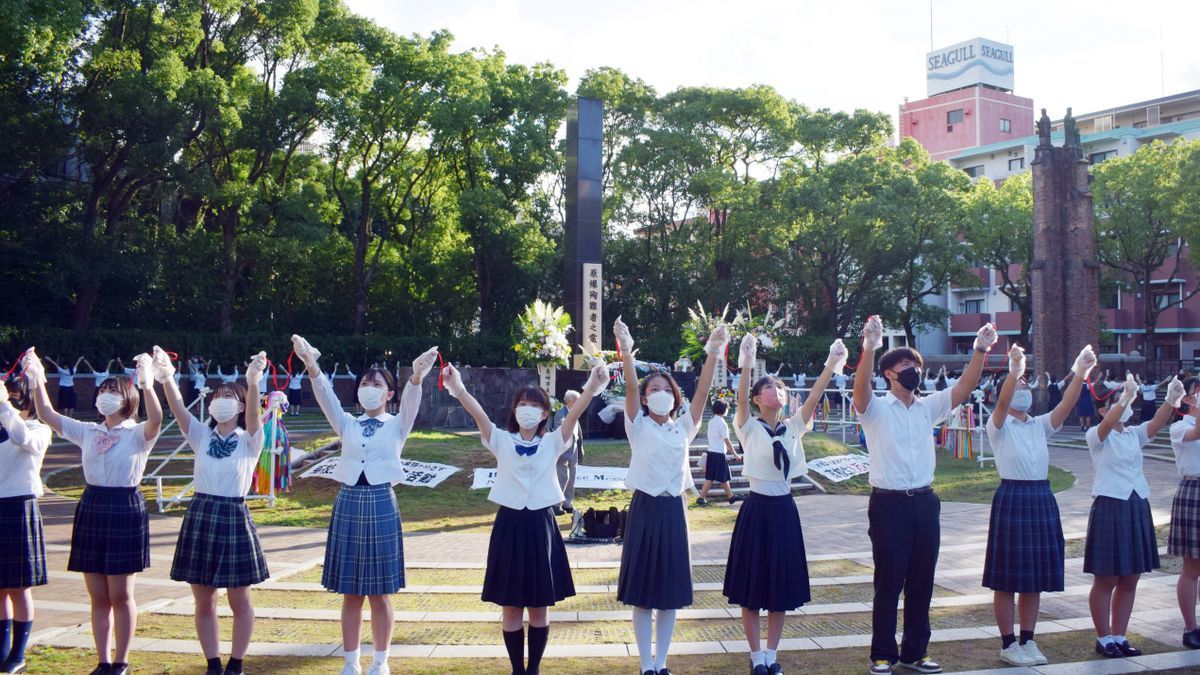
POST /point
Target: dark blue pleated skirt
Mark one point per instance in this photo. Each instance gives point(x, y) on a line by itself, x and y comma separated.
point(218, 545)
point(364, 552)
point(716, 467)
point(1085, 406)
point(527, 562)
point(1025, 549)
point(767, 567)
point(111, 532)
point(22, 543)
point(656, 558)
point(1120, 537)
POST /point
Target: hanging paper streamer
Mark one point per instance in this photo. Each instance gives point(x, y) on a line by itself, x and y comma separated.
point(276, 456)
point(956, 435)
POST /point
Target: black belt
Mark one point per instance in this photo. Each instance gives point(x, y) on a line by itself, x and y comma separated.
point(902, 493)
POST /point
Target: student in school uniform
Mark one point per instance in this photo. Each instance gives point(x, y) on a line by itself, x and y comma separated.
point(364, 553)
point(904, 512)
point(716, 466)
point(1148, 389)
point(767, 567)
point(1025, 549)
point(527, 567)
point(656, 559)
point(1184, 540)
point(218, 544)
point(295, 392)
point(230, 378)
point(1120, 544)
point(67, 400)
point(110, 536)
point(198, 374)
point(23, 444)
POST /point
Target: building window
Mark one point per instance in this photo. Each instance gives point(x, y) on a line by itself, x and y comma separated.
point(1167, 297)
point(1016, 164)
point(1005, 125)
point(974, 171)
point(954, 116)
point(1097, 157)
point(972, 307)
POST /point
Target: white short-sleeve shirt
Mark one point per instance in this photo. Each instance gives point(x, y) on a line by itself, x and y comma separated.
point(66, 377)
point(526, 480)
point(758, 446)
point(900, 439)
point(1118, 462)
point(660, 454)
point(21, 453)
point(1187, 453)
point(718, 431)
point(1020, 447)
point(1149, 392)
point(111, 457)
point(224, 466)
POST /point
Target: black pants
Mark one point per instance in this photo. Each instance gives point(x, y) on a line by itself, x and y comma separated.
point(905, 537)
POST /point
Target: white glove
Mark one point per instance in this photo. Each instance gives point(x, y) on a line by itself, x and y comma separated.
point(452, 380)
point(624, 339)
point(1129, 390)
point(748, 351)
point(838, 354)
point(424, 363)
point(1016, 361)
point(35, 373)
point(254, 371)
point(1083, 363)
point(598, 380)
point(144, 371)
point(305, 352)
point(986, 337)
point(873, 333)
point(717, 341)
point(1175, 392)
point(164, 370)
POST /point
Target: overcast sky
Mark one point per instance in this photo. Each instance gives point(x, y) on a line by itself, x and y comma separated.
point(842, 54)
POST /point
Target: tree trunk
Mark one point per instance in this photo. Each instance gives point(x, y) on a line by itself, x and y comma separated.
point(85, 301)
point(228, 220)
point(363, 231)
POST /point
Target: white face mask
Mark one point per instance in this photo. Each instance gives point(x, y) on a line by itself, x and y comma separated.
point(371, 398)
point(1022, 400)
point(661, 402)
point(1127, 414)
point(224, 409)
point(528, 416)
point(109, 404)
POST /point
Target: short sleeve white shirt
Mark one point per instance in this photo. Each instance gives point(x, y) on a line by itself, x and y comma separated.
point(659, 464)
point(21, 453)
point(718, 431)
point(900, 439)
point(1187, 453)
point(1020, 447)
point(111, 457)
point(1149, 392)
point(524, 480)
point(758, 447)
point(224, 466)
point(66, 378)
point(1118, 462)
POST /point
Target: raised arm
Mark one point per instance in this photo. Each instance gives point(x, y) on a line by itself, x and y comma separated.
point(1083, 365)
point(454, 386)
point(747, 353)
point(834, 363)
point(52, 362)
point(984, 339)
point(254, 374)
point(633, 399)
point(1165, 412)
point(1016, 368)
point(410, 398)
point(713, 350)
point(597, 383)
point(330, 406)
point(863, 375)
point(35, 377)
point(143, 377)
point(1113, 417)
point(11, 420)
point(164, 372)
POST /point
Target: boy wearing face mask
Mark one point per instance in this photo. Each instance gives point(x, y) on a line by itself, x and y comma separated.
point(364, 553)
point(904, 512)
point(227, 451)
point(527, 567)
point(1121, 544)
point(1025, 548)
point(1184, 539)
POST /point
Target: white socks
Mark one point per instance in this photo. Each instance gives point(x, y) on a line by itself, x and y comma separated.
point(1107, 640)
point(769, 657)
point(352, 660)
point(662, 636)
point(381, 657)
point(757, 659)
point(1118, 639)
point(643, 620)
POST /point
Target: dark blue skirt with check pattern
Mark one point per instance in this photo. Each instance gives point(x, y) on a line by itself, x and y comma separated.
point(1185, 519)
point(1025, 549)
point(111, 532)
point(218, 545)
point(364, 552)
point(22, 543)
point(1120, 537)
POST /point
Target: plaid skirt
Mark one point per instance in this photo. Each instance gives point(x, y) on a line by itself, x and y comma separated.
point(218, 545)
point(22, 543)
point(716, 467)
point(527, 562)
point(1185, 519)
point(767, 567)
point(1120, 537)
point(364, 552)
point(111, 532)
point(1025, 549)
point(656, 557)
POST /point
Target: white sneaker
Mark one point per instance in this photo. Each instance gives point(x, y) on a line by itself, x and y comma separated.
point(1032, 651)
point(379, 669)
point(351, 669)
point(1015, 655)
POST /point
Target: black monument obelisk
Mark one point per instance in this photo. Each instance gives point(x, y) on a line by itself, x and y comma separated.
point(583, 277)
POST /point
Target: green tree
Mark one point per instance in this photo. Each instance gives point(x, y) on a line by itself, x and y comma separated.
point(998, 231)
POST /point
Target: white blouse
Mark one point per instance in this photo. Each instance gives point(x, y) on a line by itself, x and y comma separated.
point(1187, 453)
point(21, 453)
point(111, 457)
point(758, 446)
point(718, 431)
point(526, 471)
point(1020, 447)
point(224, 466)
point(1118, 462)
point(370, 445)
point(66, 378)
point(660, 455)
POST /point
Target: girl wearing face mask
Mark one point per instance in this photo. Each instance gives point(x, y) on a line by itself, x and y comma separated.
point(767, 567)
point(364, 552)
point(1025, 547)
point(1184, 540)
point(218, 545)
point(656, 563)
point(527, 564)
point(110, 536)
point(1120, 536)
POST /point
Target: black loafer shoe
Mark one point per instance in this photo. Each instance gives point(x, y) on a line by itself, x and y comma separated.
point(13, 667)
point(102, 669)
point(1108, 651)
point(1128, 650)
point(758, 670)
point(775, 669)
point(1191, 639)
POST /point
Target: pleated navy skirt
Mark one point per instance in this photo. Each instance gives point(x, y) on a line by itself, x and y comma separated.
point(22, 543)
point(1185, 520)
point(66, 398)
point(111, 532)
point(1085, 406)
point(767, 567)
point(716, 467)
point(218, 545)
point(1120, 537)
point(364, 553)
point(1025, 548)
point(527, 562)
point(656, 558)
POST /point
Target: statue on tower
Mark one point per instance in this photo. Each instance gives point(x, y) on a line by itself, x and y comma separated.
point(1043, 129)
point(1071, 133)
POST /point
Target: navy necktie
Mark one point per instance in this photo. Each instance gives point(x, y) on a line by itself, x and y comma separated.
point(782, 461)
point(526, 450)
point(221, 448)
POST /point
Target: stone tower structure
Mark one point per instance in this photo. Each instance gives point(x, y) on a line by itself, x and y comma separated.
point(1065, 275)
